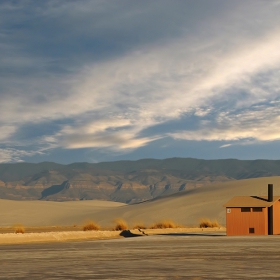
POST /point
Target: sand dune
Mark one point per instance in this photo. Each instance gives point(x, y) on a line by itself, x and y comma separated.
point(185, 208)
point(50, 213)
point(188, 207)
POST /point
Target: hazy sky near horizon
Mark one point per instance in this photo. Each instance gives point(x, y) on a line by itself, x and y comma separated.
point(101, 80)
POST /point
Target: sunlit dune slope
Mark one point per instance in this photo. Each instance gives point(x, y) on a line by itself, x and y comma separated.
point(188, 207)
point(50, 213)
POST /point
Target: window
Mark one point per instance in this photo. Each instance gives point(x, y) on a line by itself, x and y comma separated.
point(257, 209)
point(251, 230)
point(245, 209)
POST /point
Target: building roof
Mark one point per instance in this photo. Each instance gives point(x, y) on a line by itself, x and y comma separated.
point(250, 201)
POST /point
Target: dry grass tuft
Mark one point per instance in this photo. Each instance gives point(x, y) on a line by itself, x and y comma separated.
point(120, 224)
point(139, 226)
point(164, 224)
point(91, 226)
point(19, 229)
point(207, 223)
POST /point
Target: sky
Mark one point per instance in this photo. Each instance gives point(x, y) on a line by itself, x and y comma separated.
point(102, 80)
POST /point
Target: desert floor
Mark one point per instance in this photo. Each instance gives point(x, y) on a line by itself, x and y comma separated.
point(61, 234)
point(194, 256)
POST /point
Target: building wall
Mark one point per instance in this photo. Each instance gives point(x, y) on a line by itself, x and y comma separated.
point(276, 218)
point(238, 223)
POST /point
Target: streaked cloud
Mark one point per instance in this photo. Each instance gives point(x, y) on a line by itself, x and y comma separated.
point(6, 132)
point(101, 78)
point(15, 154)
point(225, 146)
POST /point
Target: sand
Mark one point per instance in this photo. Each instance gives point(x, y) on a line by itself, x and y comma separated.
point(13, 238)
point(63, 236)
point(182, 256)
point(50, 213)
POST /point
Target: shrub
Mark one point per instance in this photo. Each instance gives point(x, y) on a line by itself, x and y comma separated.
point(20, 229)
point(91, 226)
point(207, 223)
point(164, 224)
point(120, 224)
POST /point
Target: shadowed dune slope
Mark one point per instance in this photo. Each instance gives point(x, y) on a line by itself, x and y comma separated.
point(185, 207)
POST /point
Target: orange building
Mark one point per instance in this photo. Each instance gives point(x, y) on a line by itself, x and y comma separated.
point(253, 215)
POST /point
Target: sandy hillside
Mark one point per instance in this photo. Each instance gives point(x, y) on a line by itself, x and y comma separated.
point(50, 213)
point(185, 207)
point(188, 207)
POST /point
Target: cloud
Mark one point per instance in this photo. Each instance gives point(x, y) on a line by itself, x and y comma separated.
point(115, 141)
point(225, 146)
point(108, 75)
point(15, 154)
point(259, 124)
point(6, 132)
point(116, 134)
point(149, 88)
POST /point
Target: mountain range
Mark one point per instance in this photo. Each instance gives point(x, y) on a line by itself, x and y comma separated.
point(123, 181)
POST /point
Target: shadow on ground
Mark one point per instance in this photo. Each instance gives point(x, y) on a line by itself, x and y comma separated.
point(128, 233)
point(193, 234)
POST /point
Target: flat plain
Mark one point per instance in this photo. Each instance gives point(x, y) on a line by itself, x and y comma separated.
point(181, 255)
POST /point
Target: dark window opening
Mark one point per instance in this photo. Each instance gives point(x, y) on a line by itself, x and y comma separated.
point(245, 209)
point(251, 230)
point(257, 209)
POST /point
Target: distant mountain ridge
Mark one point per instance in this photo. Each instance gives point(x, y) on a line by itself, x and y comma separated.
point(124, 181)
